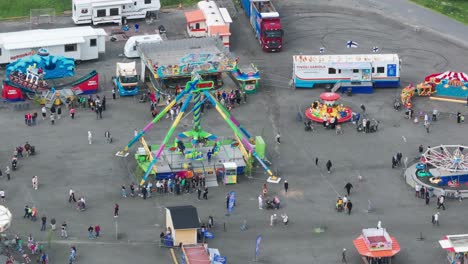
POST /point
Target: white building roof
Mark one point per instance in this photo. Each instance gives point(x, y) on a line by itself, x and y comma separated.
point(345, 58)
point(109, 2)
point(225, 15)
point(212, 13)
point(457, 243)
point(47, 37)
point(126, 69)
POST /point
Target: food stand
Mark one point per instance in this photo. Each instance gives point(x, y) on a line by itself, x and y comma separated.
point(457, 248)
point(375, 245)
point(247, 77)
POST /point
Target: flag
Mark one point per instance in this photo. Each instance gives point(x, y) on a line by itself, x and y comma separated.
point(322, 50)
point(257, 245)
point(375, 49)
point(351, 44)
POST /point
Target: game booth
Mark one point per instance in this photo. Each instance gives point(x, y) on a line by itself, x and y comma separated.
point(376, 246)
point(247, 78)
point(328, 106)
point(456, 247)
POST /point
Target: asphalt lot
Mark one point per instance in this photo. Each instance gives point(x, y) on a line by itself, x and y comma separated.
point(65, 160)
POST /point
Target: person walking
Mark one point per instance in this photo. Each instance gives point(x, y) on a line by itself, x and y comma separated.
point(59, 112)
point(26, 211)
point(97, 230)
point(427, 126)
point(123, 192)
point(417, 189)
point(227, 201)
point(144, 192)
point(44, 112)
point(91, 232)
point(71, 196)
point(116, 210)
point(44, 222)
point(329, 165)
point(35, 182)
point(316, 161)
point(421, 149)
point(205, 193)
point(113, 93)
point(427, 198)
point(63, 231)
point(7, 172)
point(260, 202)
point(2, 195)
point(286, 186)
point(53, 224)
point(72, 113)
point(343, 256)
point(435, 219)
point(90, 137)
point(278, 138)
point(132, 189)
point(349, 206)
point(458, 117)
point(348, 187)
point(441, 202)
point(199, 192)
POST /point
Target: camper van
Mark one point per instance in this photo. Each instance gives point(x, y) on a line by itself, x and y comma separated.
point(131, 46)
point(379, 70)
point(112, 11)
point(79, 43)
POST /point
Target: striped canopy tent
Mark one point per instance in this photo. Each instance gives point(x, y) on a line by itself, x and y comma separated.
point(448, 75)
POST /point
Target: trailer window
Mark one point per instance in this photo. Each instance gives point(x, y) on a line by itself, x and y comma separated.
point(0, 52)
point(380, 69)
point(373, 70)
point(355, 70)
point(93, 42)
point(74, 7)
point(101, 13)
point(71, 47)
point(147, 2)
point(197, 26)
point(114, 11)
point(84, 11)
point(331, 71)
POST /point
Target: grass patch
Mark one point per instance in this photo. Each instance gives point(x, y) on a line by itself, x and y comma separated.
point(172, 3)
point(456, 9)
point(21, 8)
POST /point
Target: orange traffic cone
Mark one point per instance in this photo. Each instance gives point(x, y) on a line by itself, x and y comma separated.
point(180, 5)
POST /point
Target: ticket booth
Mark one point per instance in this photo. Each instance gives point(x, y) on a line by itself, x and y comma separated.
point(230, 172)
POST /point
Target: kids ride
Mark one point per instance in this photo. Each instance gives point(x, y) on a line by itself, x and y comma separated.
point(266, 23)
point(126, 79)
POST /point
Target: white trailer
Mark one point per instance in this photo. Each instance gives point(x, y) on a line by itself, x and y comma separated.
point(112, 11)
point(380, 70)
point(79, 43)
point(131, 46)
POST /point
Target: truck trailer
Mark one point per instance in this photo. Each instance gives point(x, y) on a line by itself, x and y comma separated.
point(266, 23)
point(112, 11)
point(79, 43)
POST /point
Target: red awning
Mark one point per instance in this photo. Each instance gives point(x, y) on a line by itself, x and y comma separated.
point(361, 247)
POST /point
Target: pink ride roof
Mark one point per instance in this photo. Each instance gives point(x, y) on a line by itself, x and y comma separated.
point(329, 96)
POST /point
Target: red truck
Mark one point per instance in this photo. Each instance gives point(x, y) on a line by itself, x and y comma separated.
point(266, 23)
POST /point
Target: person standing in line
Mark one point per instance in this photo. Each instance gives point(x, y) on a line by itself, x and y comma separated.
point(44, 222)
point(116, 210)
point(286, 186)
point(205, 193)
point(63, 232)
point(329, 165)
point(90, 138)
point(104, 103)
point(7, 172)
point(260, 202)
point(144, 191)
point(35, 182)
point(349, 206)
point(2, 195)
point(71, 196)
point(132, 189)
point(59, 112)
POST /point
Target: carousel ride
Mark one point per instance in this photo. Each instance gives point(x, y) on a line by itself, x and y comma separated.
point(445, 165)
point(445, 85)
point(197, 91)
point(328, 107)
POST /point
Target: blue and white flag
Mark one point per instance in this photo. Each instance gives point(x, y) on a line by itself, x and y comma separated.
point(375, 49)
point(322, 50)
point(351, 44)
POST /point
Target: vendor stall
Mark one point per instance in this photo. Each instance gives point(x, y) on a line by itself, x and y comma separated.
point(457, 248)
point(375, 245)
point(247, 77)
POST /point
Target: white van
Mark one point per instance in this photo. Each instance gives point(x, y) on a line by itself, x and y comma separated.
point(112, 11)
point(131, 46)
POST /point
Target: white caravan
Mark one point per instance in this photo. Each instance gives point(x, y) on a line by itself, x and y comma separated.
point(112, 11)
point(79, 43)
point(131, 46)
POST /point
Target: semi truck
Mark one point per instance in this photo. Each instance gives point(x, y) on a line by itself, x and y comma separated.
point(126, 79)
point(266, 23)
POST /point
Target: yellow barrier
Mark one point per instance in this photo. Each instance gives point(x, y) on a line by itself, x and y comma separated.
point(174, 259)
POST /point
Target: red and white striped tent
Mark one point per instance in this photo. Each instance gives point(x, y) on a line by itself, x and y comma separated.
point(448, 75)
